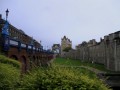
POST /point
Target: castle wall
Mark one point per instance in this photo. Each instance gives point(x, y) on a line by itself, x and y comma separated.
point(106, 52)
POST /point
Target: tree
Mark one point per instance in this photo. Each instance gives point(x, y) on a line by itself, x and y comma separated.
point(67, 49)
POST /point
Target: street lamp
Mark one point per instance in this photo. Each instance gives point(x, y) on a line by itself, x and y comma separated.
point(7, 14)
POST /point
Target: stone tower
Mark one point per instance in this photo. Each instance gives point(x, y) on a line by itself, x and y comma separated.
point(65, 42)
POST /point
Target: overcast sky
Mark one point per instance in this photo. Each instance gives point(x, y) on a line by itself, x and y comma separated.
point(50, 20)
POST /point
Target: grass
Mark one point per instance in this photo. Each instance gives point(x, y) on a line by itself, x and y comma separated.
point(71, 62)
point(6, 60)
point(67, 62)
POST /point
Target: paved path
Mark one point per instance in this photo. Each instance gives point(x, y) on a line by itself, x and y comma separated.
point(96, 71)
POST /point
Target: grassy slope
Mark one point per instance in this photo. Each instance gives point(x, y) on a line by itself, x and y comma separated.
point(9, 73)
point(5, 60)
point(71, 62)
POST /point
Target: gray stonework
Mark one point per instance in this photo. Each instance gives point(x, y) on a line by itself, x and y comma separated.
point(106, 52)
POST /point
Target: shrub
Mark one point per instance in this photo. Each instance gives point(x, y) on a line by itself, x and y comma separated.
point(57, 78)
point(9, 77)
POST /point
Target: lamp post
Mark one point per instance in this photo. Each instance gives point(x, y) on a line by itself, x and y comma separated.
point(7, 14)
point(5, 34)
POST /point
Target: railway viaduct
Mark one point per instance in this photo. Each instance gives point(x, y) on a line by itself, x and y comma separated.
point(28, 55)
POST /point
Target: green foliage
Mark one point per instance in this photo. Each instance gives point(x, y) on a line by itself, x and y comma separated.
point(54, 78)
point(6, 60)
point(57, 78)
point(9, 77)
point(67, 49)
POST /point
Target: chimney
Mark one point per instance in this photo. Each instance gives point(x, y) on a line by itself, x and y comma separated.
point(0, 16)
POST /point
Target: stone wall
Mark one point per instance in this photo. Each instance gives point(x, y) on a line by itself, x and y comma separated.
point(106, 52)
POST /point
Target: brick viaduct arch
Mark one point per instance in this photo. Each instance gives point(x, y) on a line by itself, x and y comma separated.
point(14, 57)
point(28, 60)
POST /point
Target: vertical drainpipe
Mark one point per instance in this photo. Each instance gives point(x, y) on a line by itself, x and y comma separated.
point(115, 54)
point(107, 54)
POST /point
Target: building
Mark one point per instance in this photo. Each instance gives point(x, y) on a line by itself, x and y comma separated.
point(65, 43)
point(56, 48)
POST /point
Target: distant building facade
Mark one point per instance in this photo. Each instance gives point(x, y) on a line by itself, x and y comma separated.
point(56, 48)
point(106, 52)
point(65, 43)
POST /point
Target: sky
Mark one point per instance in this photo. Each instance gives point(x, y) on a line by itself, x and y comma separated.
point(49, 20)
